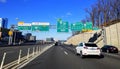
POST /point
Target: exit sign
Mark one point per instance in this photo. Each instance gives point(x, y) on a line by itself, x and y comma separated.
point(62, 26)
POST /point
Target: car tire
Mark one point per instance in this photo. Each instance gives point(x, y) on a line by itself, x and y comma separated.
point(107, 51)
point(76, 52)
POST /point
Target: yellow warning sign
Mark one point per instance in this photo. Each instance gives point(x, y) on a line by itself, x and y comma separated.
point(20, 23)
point(10, 33)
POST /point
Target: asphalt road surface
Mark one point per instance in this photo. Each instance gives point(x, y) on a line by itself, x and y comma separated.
point(61, 57)
point(12, 52)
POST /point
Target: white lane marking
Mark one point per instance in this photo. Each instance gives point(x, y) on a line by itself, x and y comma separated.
point(65, 52)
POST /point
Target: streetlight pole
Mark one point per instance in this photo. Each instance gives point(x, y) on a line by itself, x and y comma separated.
point(15, 32)
point(14, 37)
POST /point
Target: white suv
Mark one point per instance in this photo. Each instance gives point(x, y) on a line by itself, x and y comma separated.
point(85, 49)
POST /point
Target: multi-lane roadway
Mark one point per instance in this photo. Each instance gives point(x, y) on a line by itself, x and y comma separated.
point(12, 52)
point(63, 57)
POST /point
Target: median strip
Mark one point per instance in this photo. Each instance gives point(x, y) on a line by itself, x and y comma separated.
point(26, 59)
point(31, 59)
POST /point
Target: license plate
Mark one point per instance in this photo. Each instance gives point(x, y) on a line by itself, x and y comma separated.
point(93, 49)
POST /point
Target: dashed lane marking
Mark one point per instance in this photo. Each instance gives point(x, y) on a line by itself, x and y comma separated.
point(65, 52)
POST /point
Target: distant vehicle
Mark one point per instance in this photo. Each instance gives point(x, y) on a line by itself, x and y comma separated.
point(85, 49)
point(109, 49)
point(56, 43)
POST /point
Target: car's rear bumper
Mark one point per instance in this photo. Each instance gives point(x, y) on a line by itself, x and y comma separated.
point(96, 52)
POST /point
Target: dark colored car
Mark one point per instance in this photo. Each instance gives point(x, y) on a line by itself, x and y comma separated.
point(109, 49)
point(56, 43)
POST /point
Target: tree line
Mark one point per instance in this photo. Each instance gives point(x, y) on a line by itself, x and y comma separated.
point(103, 12)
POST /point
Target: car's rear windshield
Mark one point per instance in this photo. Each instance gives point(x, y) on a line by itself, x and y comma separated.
point(90, 45)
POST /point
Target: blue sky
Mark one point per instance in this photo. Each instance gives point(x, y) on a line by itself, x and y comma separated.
point(45, 11)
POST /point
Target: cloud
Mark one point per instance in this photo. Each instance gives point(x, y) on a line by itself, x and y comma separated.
point(69, 14)
point(3, 1)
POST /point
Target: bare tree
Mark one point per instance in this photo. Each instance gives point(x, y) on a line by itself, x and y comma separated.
point(87, 19)
point(103, 12)
point(115, 9)
point(91, 13)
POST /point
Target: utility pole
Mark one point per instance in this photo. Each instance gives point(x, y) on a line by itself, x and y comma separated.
point(13, 28)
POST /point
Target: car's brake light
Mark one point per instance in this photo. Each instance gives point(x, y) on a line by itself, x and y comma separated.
point(85, 47)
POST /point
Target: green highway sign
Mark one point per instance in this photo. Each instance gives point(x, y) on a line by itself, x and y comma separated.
point(95, 28)
point(62, 26)
point(40, 26)
point(24, 26)
point(89, 25)
point(35, 28)
point(77, 26)
point(44, 27)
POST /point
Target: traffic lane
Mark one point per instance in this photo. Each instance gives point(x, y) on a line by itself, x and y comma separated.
point(61, 58)
point(107, 61)
point(70, 48)
point(111, 55)
point(54, 58)
point(14, 48)
point(13, 52)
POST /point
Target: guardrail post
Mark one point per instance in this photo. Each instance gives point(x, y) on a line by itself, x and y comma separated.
point(3, 60)
point(39, 49)
point(33, 51)
point(28, 53)
point(19, 56)
point(36, 50)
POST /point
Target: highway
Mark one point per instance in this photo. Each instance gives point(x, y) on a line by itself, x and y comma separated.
point(12, 52)
point(63, 57)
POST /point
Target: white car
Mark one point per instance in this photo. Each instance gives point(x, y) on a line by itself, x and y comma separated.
point(85, 49)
